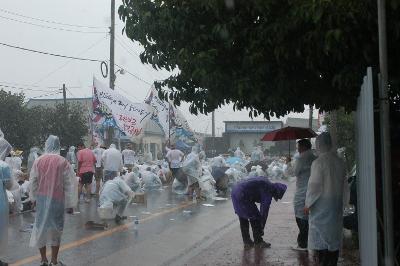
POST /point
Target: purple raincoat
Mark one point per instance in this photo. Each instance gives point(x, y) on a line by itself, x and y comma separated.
point(246, 193)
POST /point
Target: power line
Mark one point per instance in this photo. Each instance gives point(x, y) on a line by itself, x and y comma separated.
point(49, 27)
point(135, 76)
point(51, 21)
point(44, 95)
point(66, 63)
point(51, 54)
point(21, 88)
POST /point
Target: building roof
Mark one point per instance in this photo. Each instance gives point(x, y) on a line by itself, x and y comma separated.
point(301, 122)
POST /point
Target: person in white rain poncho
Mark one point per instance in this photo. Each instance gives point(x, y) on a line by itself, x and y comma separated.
point(71, 157)
point(133, 180)
point(128, 155)
point(112, 159)
point(5, 183)
point(52, 188)
point(114, 195)
point(257, 155)
point(33, 155)
point(302, 171)
point(151, 181)
point(193, 170)
point(238, 153)
point(324, 202)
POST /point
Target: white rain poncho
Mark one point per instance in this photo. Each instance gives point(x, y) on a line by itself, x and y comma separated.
point(218, 161)
point(133, 180)
point(148, 157)
point(33, 155)
point(71, 157)
point(5, 183)
point(276, 170)
point(151, 181)
point(238, 153)
point(52, 188)
point(257, 155)
point(114, 195)
point(112, 159)
point(207, 184)
point(234, 176)
point(302, 171)
point(325, 197)
point(192, 166)
point(178, 187)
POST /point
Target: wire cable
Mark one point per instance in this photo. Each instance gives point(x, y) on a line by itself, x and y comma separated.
point(49, 27)
point(51, 54)
point(66, 63)
point(44, 95)
point(21, 88)
point(133, 75)
point(51, 21)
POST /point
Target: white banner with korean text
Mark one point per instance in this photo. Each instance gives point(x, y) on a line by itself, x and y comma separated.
point(111, 109)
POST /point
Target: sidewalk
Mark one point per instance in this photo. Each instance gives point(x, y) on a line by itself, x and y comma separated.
point(281, 232)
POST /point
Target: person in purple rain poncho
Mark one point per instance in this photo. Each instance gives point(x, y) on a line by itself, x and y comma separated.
point(245, 195)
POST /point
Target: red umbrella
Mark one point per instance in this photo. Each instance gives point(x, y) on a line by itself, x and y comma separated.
point(289, 133)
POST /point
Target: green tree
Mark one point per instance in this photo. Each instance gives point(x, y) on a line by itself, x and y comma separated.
point(26, 127)
point(269, 56)
point(345, 125)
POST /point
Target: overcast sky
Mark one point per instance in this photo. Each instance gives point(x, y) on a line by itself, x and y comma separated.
point(43, 75)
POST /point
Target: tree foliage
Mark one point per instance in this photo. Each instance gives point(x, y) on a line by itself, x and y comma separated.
point(269, 56)
point(26, 127)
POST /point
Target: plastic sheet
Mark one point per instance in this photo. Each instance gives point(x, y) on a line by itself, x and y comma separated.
point(207, 186)
point(150, 180)
point(192, 167)
point(52, 186)
point(133, 181)
point(178, 187)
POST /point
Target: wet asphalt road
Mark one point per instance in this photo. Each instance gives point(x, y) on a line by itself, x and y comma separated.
point(169, 227)
point(172, 230)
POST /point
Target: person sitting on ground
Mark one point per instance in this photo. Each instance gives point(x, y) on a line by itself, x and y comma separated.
point(115, 195)
point(245, 194)
point(133, 180)
point(151, 181)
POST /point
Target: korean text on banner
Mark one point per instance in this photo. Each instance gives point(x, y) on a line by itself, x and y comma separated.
point(113, 110)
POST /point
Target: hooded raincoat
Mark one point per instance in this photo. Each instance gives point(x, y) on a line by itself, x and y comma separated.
point(238, 153)
point(257, 155)
point(302, 171)
point(71, 157)
point(5, 182)
point(192, 166)
point(325, 196)
point(246, 193)
point(114, 195)
point(133, 180)
point(33, 155)
point(52, 188)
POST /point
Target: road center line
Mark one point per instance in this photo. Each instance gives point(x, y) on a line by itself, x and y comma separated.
point(116, 229)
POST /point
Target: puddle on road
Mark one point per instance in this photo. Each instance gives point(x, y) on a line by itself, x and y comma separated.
point(219, 198)
point(208, 205)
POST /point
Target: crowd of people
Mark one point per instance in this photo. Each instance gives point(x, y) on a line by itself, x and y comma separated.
point(53, 185)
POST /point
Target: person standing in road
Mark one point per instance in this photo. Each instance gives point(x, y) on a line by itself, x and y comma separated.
point(174, 157)
point(112, 161)
point(302, 169)
point(98, 173)
point(86, 161)
point(324, 202)
point(71, 157)
point(245, 194)
point(52, 192)
point(128, 156)
point(5, 183)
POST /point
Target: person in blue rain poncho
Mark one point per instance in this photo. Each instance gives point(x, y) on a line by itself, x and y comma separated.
point(52, 190)
point(324, 202)
point(5, 183)
point(245, 194)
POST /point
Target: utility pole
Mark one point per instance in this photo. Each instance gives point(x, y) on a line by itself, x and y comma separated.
point(64, 95)
point(110, 130)
point(385, 138)
point(112, 41)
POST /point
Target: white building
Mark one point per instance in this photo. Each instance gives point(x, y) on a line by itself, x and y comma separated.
point(248, 134)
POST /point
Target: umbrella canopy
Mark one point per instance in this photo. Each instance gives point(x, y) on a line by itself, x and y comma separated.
point(289, 133)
